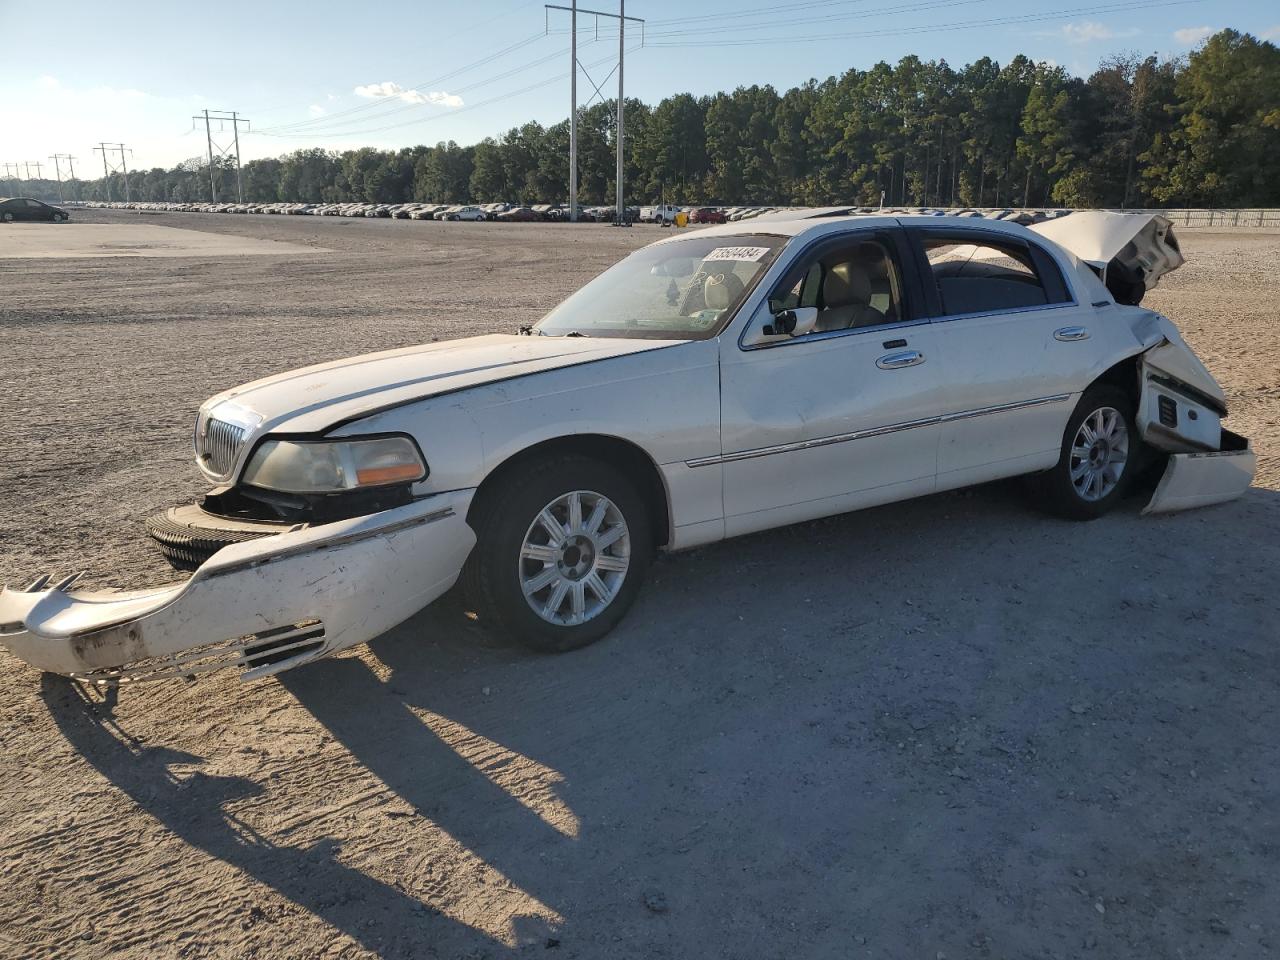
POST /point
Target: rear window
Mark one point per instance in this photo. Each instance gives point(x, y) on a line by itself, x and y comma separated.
point(991, 275)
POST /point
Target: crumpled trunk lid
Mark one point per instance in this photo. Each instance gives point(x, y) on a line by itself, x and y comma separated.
point(1129, 251)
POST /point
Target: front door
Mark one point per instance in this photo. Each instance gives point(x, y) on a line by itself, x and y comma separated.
point(836, 418)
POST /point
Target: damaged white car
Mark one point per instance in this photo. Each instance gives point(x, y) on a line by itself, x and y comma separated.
point(709, 385)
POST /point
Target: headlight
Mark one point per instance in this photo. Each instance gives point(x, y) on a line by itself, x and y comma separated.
point(321, 466)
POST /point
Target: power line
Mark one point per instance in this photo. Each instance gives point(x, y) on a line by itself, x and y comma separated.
point(324, 125)
point(907, 31)
point(657, 34)
point(470, 29)
point(502, 98)
point(754, 11)
point(418, 88)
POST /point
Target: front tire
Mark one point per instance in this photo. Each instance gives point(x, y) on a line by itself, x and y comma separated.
point(1099, 456)
point(562, 549)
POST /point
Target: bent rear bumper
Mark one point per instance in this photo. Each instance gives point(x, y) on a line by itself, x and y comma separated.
point(1200, 479)
point(264, 605)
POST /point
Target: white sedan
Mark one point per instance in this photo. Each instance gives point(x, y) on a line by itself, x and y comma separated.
point(712, 384)
point(468, 213)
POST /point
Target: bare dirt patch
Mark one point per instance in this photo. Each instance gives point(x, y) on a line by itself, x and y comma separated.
point(953, 726)
point(40, 241)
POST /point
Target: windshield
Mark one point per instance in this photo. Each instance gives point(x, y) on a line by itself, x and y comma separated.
point(675, 291)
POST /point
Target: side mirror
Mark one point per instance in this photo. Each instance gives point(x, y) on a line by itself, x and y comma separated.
point(795, 322)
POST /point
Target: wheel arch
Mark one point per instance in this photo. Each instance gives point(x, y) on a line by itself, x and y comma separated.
point(632, 459)
point(1124, 374)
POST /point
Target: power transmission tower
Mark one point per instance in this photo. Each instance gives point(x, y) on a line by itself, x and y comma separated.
point(110, 168)
point(223, 117)
point(27, 164)
point(57, 158)
point(574, 65)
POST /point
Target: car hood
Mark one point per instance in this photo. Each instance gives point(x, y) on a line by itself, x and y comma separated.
point(313, 399)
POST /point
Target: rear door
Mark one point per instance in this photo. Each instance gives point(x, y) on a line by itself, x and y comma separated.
point(1015, 348)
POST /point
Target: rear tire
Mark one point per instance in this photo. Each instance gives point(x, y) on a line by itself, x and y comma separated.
point(558, 589)
point(1099, 459)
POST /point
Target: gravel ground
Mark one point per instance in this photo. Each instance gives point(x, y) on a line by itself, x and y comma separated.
point(950, 728)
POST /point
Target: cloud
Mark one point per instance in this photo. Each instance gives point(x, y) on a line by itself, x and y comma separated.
point(316, 110)
point(1190, 36)
point(389, 89)
point(1089, 31)
point(47, 82)
point(1271, 33)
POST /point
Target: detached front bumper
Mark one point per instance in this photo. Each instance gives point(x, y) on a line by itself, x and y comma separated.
point(263, 605)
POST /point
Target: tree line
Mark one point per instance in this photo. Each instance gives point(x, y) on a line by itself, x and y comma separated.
point(1201, 130)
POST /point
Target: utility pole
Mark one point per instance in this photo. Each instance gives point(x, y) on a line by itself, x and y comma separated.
point(71, 167)
point(27, 164)
point(57, 167)
point(213, 190)
point(621, 17)
point(106, 171)
point(109, 168)
point(235, 126)
point(125, 170)
point(622, 31)
point(573, 113)
point(223, 117)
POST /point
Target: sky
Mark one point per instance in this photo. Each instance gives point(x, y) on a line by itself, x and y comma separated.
point(400, 73)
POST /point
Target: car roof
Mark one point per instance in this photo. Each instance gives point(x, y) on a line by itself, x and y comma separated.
point(803, 223)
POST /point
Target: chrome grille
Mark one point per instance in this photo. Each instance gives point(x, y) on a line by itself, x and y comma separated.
point(218, 444)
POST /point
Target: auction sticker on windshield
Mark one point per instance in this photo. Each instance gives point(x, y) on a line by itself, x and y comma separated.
point(741, 254)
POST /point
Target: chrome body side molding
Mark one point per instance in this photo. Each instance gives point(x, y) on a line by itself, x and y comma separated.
point(874, 432)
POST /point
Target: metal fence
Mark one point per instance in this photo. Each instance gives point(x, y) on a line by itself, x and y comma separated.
point(1219, 218)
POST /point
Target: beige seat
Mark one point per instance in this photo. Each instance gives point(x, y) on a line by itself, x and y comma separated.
point(722, 290)
point(846, 298)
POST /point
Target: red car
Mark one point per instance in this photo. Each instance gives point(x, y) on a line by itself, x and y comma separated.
point(518, 215)
point(707, 215)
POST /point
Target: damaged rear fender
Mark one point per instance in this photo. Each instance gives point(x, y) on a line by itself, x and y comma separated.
point(263, 605)
point(1180, 412)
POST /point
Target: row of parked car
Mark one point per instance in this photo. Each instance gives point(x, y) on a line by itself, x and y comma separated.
point(543, 212)
point(667, 213)
point(554, 212)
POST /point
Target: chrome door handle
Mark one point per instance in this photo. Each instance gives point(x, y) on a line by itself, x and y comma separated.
point(1067, 334)
point(903, 358)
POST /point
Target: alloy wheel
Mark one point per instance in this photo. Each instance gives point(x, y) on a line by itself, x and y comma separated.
point(574, 558)
point(1099, 454)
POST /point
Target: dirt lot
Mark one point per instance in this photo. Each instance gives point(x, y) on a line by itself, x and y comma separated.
point(954, 728)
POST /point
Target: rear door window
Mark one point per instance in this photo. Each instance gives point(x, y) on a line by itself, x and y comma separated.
point(987, 274)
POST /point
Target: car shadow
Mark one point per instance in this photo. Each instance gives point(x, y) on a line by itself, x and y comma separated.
point(193, 808)
point(740, 753)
